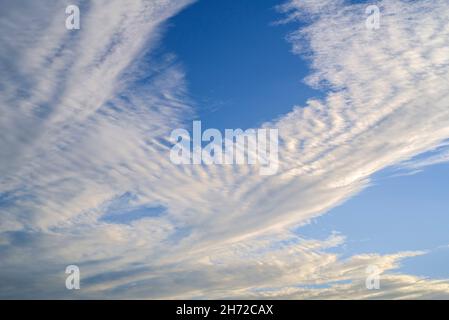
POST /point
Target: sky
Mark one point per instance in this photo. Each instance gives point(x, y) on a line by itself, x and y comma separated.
point(86, 177)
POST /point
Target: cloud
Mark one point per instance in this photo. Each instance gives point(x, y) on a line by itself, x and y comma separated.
point(439, 155)
point(88, 120)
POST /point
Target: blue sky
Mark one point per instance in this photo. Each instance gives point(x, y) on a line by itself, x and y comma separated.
point(388, 217)
point(86, 177)
point(236, 64)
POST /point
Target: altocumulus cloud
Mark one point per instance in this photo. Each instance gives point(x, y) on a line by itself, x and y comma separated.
point(87, 123)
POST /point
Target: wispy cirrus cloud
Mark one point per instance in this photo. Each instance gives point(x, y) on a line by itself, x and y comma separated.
point(88, 132)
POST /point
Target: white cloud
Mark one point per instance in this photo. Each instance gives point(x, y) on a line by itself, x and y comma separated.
point(82, 133)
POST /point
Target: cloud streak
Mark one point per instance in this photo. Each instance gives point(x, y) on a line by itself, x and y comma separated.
point(89, 132)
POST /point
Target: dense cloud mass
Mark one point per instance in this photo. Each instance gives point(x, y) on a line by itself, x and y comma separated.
point(86, 178)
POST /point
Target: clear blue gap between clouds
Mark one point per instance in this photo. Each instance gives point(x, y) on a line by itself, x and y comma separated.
point(239, 66)
point(396, 213)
